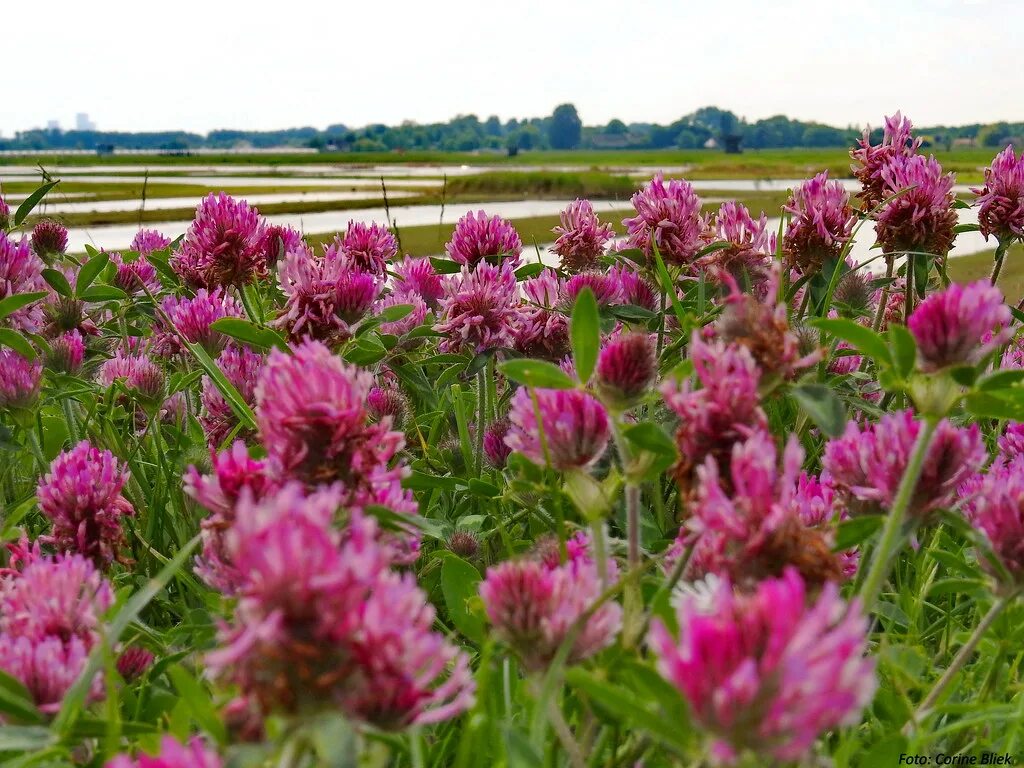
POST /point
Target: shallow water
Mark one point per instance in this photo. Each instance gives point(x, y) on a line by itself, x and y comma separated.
point(171, 203)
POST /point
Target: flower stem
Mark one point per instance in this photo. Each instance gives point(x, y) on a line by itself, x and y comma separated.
point(69, 417)
point(600, 551)
point(37, 449)
point(997, 267)
point(962, 656)
point(481, 395)
point(884, 300)
point(892, 534)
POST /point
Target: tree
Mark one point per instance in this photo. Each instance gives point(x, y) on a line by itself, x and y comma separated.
point(566, 128)
point(615, 128)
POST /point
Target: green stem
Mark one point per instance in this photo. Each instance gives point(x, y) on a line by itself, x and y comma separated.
point(893, 533)
point(884, 301)
point(963, 655)
point(37, 450)
point(997, 267)
point(564, 734)
point(69, 417)
point(481, 420)
point(600, 551)
point(908, 300)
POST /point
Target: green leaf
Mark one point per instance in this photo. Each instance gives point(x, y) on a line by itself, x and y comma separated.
point(198, 701)
point(864, 340)
point(993, 405)
point(103, 293)
point(17, 342)
point(668, 287)
point(249, 332)
point(857, 530)
point(585, 334)
point(536, 373)
point(904, 349)
point(1001, 380)
point(16, 701)
point(624, 705)
point(25, 738)
point(460, 584)
point(32, 201)
point(238, 405)
point(823, 407)
point(445, 266)
point(530, 270)
point(74, 699)
point(89, 272)
point(394, 313)
point(885, 752)
point(650, 437)
point(58, 282)
point(12, 304)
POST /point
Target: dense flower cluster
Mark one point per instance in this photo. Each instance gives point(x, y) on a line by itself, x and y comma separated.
point(478, 238)
point(21, 271)
point(919, 214)
point(1001, 200)
point(581, 237)
point(749, 245)
point(534, 602)
point(820, 226)
point(668, 218)
point(960, 325)
point(224, 246)
point(479, 309)
point(771, 670)
point(562, 428)
point(19, 380)
point(870, 159)
point(322, 620)
point(192, 318)
point(81, 496)
point(50, 610)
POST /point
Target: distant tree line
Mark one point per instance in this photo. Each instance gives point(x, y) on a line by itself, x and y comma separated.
point(563, 129)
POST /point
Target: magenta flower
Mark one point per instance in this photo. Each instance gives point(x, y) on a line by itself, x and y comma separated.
point(750, 245)
point(581, 237)
point(50, 612)
point(770, 671)
point(137, 372)
point(1011, 442)
point(721, 413)
point(1001, 200)
point(321, 620)
point(418, 276)
point(131, 276)
point(817, 506)
point(192, 319)
point(49, 239)
point(234, 474)
point(626, 368)
point(867, 463)
point(479, 309)
point(133, 662)
point(5, 214)
point(960, 326)
point(635, 289)
point(279, 241)
point(412, 320)
point(21, 271)
point(869, 160)
point(313, 420)
point(495, 448)
point(480, 239)
point(224, 244)
point(605, 286)
point(81, 496)
point(172, 755)
point(541, 331)
point(534, 602)
point(241, 367)
point(921, 217)
point(672, 214)
point(572, 432)
point(995, 508)
point(148, 240)
point(761, 324)
point(387, 401)
point(820, 226)
point(355, 292)
point(66, 353)
point(368, 247)
point(19, 380)
point(744, 525)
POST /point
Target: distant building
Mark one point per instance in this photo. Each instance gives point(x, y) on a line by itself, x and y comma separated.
point(53, 125)
point(83, 123)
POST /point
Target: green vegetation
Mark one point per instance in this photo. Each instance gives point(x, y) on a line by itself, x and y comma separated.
point(545, 184)
point(966, 269)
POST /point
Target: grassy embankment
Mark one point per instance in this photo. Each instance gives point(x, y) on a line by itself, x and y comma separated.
point(701, 163)
point(966, 269)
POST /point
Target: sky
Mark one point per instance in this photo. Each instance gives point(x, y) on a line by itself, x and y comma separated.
point(204, 64)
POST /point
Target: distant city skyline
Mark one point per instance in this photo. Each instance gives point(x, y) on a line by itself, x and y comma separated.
point(207, 66)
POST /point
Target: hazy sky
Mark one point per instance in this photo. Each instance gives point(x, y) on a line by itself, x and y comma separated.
point(203, 64)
